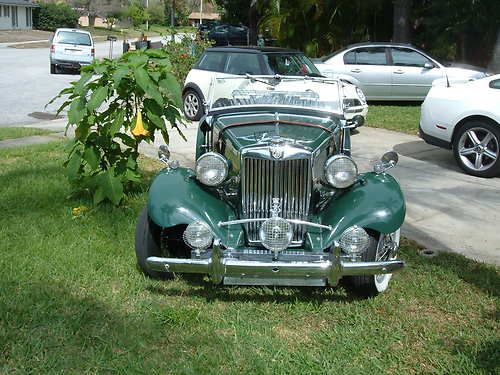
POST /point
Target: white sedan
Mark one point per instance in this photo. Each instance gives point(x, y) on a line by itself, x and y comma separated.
point(465, 117)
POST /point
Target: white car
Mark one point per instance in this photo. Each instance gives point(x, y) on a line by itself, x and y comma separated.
point(70, 49)
point(465, 117)
point(220, 62)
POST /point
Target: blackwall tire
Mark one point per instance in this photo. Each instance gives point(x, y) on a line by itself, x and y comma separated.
point(476, 148)
point(147, 243)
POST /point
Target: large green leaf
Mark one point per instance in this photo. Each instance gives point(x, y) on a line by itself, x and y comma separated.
point(91, 157)
point(170, 84)
point(76, 111)
point(147, 85)
point(117, 122)
point(97, 98)
point(109, 186)
point(73, 166)
point(79, 87)
point(121, 72)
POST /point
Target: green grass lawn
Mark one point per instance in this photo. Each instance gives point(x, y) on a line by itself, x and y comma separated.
point(73, 301)
point(401, 117)
point(15, 132)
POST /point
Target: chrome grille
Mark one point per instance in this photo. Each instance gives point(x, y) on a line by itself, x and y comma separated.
point(263, 180)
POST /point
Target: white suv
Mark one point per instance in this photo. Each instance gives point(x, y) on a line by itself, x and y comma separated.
point(70, 49)
point(268, 61)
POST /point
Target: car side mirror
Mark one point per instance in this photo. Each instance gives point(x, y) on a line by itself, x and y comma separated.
point(386, 162)
point(356, 122)
point(428, 65)
point(164, 153)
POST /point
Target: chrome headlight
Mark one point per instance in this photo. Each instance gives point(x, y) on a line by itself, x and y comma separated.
point(211, 169)
point(341, 171)
point(354, 240)
point(198, 235)
point(276, 234)
point(361, 95)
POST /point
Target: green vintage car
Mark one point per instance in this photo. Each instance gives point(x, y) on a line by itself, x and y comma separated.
point(275, 197)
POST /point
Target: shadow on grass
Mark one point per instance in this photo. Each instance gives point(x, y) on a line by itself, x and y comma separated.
point(201, 288)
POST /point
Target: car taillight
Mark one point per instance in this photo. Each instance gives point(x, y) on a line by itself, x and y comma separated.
point(52, 49)
point(92, 52)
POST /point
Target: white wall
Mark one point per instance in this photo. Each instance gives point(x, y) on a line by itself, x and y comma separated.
point(6, 21)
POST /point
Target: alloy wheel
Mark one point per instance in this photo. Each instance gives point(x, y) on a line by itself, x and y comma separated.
point(191, 105)
point(478, 149)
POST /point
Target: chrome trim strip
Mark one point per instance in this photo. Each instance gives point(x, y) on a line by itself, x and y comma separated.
point(293, 221)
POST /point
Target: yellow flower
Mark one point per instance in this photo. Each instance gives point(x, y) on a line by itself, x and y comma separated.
point(79, 210)
point(139, 128)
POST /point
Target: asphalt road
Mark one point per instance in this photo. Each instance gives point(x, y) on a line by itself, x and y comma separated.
point(26, 84)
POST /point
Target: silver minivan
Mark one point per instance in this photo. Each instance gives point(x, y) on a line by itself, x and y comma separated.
point(70, 49)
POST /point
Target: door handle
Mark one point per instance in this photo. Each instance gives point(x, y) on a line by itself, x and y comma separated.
point(399, 72)
point(356, 70)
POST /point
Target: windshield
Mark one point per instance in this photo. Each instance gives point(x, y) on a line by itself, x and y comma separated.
point(297, 92)
point(290, 65)
point(74, 37)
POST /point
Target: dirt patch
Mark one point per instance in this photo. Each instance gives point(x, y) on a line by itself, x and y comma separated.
point(13, 36)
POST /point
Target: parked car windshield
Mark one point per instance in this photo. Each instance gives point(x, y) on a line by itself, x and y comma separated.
point(267, 91)
point(290, 65)
point(73, 37)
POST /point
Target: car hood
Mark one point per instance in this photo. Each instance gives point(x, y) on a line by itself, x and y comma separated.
point(463, 72)
point(306, 132)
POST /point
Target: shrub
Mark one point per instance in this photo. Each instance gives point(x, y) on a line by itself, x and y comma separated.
point(51, 16)
point(116, 105)
point(184, 54)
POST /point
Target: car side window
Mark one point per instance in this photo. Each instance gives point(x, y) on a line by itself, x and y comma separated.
point(370, 56)
point(495, 84)
point(408, 57)
point(242, 63)
point(350, 57)
point(213, 61)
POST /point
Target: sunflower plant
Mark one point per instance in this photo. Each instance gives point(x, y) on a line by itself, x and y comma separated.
point(116, 105)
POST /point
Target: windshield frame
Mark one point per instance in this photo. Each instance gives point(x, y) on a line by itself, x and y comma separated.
point(303, 59)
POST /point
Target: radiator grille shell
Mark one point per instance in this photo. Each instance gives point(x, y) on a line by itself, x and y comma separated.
point(265, 178)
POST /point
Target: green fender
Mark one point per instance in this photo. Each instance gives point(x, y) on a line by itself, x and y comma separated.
point(377, 204)
point(175, 197)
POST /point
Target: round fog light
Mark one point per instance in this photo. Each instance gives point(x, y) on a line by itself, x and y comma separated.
point(276, 234)
point(198, 235)
point(354, 240)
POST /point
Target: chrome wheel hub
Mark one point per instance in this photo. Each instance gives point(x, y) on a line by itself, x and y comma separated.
point(478, 149)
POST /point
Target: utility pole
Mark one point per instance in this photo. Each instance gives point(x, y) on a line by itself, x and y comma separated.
point(147, 21)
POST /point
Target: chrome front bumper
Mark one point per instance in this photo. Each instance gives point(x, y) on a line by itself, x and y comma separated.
point(232, 271)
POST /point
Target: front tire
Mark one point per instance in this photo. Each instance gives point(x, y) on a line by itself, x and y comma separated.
point(476, 148)
point(192, 105)
point(147, 243)
point(383, 248)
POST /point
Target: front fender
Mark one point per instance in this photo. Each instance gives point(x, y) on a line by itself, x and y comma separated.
point(175, 197)
point(377, 204)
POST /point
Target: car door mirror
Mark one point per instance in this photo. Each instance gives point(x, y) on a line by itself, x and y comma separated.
point(386, 162)
point(428, 65)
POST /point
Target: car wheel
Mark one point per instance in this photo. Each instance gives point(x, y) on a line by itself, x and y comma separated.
point(378, 250)
point(53, 69)
point(476, 148)
point(192, 105)
point(147, 243)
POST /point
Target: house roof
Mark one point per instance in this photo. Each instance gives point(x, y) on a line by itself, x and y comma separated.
point(26, 3)
point(205, 16)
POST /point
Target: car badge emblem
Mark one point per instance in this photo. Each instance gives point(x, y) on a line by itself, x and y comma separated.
point(275, 207)
point(277, 151)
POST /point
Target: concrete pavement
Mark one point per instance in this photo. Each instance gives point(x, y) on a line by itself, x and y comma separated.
point(446, 209)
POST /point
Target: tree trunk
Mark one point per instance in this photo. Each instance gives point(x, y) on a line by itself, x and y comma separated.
point(494, 65)
point(252, 22)
point(92, 18)
point(401, 21)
